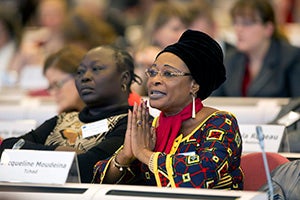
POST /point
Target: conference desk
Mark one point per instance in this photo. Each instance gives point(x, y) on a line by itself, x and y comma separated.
point(16, 104)
point(15, 191)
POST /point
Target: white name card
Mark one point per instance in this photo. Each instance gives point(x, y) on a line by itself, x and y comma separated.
point(94, 128)
point(273, 135)
point(30, 166)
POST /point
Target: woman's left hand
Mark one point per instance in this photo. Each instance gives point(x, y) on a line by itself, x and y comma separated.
point(143, 136)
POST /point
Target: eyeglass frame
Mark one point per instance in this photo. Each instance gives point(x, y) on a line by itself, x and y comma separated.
point(246, 22)
point(59, 84)
point(174, 74)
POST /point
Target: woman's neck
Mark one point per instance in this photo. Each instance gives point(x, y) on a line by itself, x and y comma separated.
point(259, 53)
point(256, 58)
point(175, 111)
point(95, 110)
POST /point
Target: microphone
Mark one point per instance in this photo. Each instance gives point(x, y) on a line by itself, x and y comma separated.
point(260, 137)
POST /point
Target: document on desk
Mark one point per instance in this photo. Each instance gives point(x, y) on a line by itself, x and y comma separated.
point(30, 166)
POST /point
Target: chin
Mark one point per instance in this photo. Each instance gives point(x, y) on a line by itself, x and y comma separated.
point(155, 104)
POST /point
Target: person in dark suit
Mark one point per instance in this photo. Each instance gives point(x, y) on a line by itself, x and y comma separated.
point(264, 64)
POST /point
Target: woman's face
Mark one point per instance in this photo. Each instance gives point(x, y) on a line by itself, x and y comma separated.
point(169, 94)
point(98, 81)
point(62, 88)
point(51, 13)
point(251, 34)
point(169, 33)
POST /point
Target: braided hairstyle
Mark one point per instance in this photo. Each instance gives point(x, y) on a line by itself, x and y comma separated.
point(124, 61)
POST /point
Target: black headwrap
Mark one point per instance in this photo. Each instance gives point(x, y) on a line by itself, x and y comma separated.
point(204, 58)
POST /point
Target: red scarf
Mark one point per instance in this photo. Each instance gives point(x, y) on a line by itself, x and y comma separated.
point(169, 127)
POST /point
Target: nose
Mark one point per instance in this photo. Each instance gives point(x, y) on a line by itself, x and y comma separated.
point(87, 76)
point(156, 80)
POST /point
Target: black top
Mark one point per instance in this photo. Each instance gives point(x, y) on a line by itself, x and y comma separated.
point(35, 139)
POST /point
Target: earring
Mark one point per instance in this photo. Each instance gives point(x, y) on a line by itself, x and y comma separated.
point(193, 107)
point(124, 87)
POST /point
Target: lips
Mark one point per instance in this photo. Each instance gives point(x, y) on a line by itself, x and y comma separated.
point(156, 94)
point(86, 89)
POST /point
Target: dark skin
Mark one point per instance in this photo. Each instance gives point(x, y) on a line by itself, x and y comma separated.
point(95, 71)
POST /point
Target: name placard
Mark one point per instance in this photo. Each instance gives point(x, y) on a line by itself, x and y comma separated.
point(30, 166)
point(273, 135)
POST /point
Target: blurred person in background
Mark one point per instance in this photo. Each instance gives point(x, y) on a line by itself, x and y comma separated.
point(143, 60)
point(102, 11)
point(84, 29)
point(59, 69)
point(202, 19)
point(42, 36)
point(10, 38)
point(163, 25)
point(265, 63)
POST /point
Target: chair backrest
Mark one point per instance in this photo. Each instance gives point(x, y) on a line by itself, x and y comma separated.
point(254, 170)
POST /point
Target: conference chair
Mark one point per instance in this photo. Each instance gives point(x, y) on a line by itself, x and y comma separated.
point(254, 170)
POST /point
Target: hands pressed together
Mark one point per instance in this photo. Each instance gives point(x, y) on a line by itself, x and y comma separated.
point(140, 136)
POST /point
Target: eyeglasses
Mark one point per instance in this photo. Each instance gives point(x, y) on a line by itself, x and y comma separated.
point(59, 84)
point(152, 72)
point(245, 22)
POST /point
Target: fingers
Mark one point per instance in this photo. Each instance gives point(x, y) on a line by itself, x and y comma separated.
point(147, 133)
point(139, 116)
point(127, 143)
point(134, 117)
point(146, 114)
point(129, 123)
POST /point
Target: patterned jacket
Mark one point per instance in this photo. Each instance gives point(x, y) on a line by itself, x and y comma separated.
point(209, 157)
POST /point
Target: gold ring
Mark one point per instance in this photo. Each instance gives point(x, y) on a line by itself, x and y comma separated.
point(139, 122)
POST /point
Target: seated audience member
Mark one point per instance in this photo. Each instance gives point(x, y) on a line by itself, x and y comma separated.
point(83, 28)
point(164, 24)
point(188, 145)
point(10, 36)
point(143, 59)
point(59, 69)
point(265, 65)
point(43, 37)
point(202, 19)
point(103, 81)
